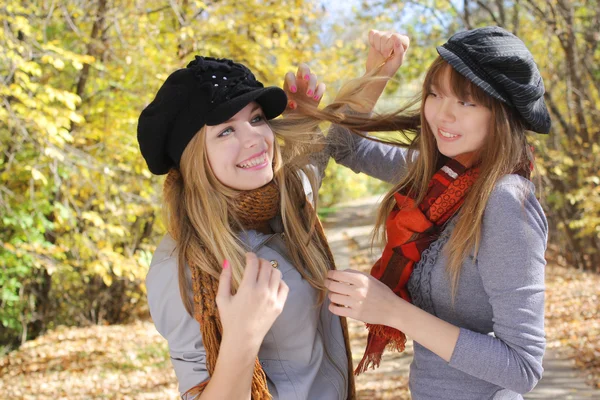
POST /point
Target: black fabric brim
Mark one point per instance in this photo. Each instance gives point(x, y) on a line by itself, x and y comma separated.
point(272, 100)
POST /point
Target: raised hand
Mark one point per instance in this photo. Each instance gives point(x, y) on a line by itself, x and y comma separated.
point(387, 49)
point(302, 88)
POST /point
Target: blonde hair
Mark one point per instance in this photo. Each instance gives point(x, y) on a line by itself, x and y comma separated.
point(198, 217)
point(505, 152)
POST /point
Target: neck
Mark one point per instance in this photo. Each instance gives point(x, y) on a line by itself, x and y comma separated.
point(264, 228)
point(466, 159)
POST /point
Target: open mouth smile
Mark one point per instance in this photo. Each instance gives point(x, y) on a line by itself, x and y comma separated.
point(257, 161)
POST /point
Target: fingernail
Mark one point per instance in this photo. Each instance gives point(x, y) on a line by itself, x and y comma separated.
point(225, 264)
point(292, 105)
point(293, 89)
point(310, 92)
point(306, 77)
point(316, 97)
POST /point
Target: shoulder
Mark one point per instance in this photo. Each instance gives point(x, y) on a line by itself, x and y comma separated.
point(162, 290)
point(164, 258)
point(511, 193)
point(513, 204)
point(162, 277)
point(512, 186)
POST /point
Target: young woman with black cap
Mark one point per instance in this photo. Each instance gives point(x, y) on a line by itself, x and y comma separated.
point(462, 271)
point(238, 198)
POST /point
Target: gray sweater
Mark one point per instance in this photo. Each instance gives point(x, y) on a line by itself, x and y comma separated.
point(499, 306)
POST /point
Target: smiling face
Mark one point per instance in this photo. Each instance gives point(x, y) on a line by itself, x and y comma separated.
point(458, 119)
point(240, 151)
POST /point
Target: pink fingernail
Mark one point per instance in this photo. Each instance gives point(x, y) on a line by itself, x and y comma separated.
point(316, 97)
point(225, 264)
point(310, 92)
point(306, 77)
point(293, 89)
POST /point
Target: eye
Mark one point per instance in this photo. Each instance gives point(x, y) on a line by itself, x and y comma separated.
point(432, 94)
point(226, 132)
point(466, 103)
point(257, 118)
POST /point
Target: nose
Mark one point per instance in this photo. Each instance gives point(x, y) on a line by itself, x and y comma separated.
point(251, 136)
point(446, 111)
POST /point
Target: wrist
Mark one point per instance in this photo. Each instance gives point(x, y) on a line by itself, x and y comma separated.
point(244, 351)
point(397, 311)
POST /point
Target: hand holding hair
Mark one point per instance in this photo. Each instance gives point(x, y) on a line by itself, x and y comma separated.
point(360, 296)
point(302, 88)
point(386, 50)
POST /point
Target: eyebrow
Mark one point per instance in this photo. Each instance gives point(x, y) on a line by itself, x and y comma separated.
point(256, 107)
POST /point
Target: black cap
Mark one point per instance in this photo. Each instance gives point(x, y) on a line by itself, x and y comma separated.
point(500, 64)
point(208, 91)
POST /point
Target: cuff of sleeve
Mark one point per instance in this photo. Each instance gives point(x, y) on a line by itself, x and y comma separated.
point(467, 353)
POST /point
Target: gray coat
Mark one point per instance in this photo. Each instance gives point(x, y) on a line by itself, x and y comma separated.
point(303, 354)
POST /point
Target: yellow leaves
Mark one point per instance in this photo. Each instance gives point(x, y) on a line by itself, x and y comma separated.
point(100, 267)
point(110, 264)
point(31, 68)
point(116, 230)
point(54, 61)
point(76, 117)
point(38, 176)
point(557, 170)
point(21, 23)
point(93, 217)
point(9, 247)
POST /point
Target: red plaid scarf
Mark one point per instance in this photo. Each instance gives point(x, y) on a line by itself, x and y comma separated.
point(410, 230)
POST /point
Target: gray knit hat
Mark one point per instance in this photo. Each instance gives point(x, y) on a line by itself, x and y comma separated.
point(500, 64)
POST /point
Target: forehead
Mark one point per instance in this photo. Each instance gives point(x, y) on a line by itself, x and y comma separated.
point(242, 114)
point(446, 80)
point(449, 82)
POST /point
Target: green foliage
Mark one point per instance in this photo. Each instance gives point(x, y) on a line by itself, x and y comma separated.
point(340, 184)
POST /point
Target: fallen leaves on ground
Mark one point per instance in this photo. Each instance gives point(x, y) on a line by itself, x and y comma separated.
point(573, 317)
point(100, 362)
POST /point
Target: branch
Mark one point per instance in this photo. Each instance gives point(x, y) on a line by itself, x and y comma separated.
point(486, 8)
point(567, 128)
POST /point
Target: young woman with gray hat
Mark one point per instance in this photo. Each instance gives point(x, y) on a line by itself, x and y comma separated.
point(238, 198)
point(462, 271)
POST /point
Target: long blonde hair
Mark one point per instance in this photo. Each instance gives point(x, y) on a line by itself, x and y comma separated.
point(505, 152)
point(198, 217)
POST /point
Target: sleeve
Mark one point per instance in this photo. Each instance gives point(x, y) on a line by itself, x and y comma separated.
point(511, 264)
point(172, 321)
point(382, 161)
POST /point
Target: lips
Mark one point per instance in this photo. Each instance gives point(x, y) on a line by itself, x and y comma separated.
point(255, 160)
